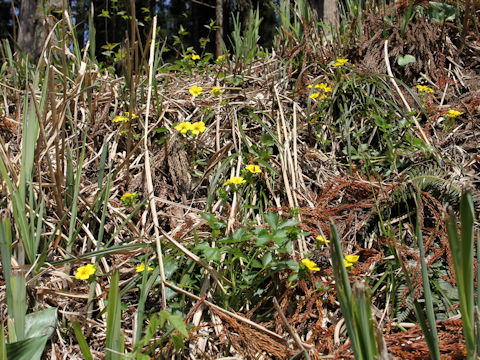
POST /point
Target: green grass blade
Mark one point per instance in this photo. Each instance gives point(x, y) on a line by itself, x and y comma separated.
point(6, 254)
point(432, 340)
point(344, 291)
point(3, 347)
point(113, 339)
point(82, 342)
point(19, 293)
point(462, 254)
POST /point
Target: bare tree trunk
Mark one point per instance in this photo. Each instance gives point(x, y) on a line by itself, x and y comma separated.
point(32, 31)
point(327, 10)
point(219, 31)
point(26, 30)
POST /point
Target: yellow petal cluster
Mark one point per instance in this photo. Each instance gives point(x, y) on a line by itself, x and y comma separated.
point(198, 127)
point(349, 260)
point(424, 89)
point(85, 271)
point(236, 180)
point(321, 240)
point(196, 90)
point(141, 268)
point(310, 265)
point(195, 57)
point(184, 127)
point(340, 62)
point(453, 113)
point(120, 119)
point(254, 169)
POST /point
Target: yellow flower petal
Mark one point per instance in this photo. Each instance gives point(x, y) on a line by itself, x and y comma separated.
point(236, 180)
point(310, 265)
point(340, 62)
point(198, 127)
point(196, 90)
point(321, 240)
point(314, 95)
point(184, 127)
point(254, 169)
point(453, 113)
point(84, 272)
point(351, 258)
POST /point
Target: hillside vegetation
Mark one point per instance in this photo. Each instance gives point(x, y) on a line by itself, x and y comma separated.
point(295, 202)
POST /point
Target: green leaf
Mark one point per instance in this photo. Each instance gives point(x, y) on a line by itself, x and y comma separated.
point(114, 320)
point(41, 323)
point(29, 349)
point(272, 219)
point(405, 59)
point(87, 355)
point(267, 259)
point(177, 340)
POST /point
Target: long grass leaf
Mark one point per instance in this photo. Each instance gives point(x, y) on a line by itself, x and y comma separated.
point(113, 339)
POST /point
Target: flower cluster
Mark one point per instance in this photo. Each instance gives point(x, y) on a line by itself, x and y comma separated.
point(128, 199)
point(321, 86)
point(196, 90)
point(141, 267)
point(453, 113)
point(123, 118)
point(84, 272)
point(424, 89)
point(192, 56)
point(340, 62)
point(195, 128)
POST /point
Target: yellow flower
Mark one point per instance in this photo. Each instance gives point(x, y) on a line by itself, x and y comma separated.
point(322, 86)
point(134, 116)
point(128, 199)
point(198, 127)
point(254, 169)
point(340, 62)
point(195, 57)
point(84, 272)
point(196, 90)
point(453, 113)
point(310, 265)
point(184, 127)
point(322, 240)
point(141, 268)
point(424, 89)
point(236, 180)
point(328, 89)
point(221, 57)
point(350, 260)
point(120, 118)
point(216, 91)
point(314, 95)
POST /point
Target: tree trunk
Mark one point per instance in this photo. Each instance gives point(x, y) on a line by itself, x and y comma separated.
point(26, 30)
point(219, 31)
point(327, 10)
point(33, 31)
